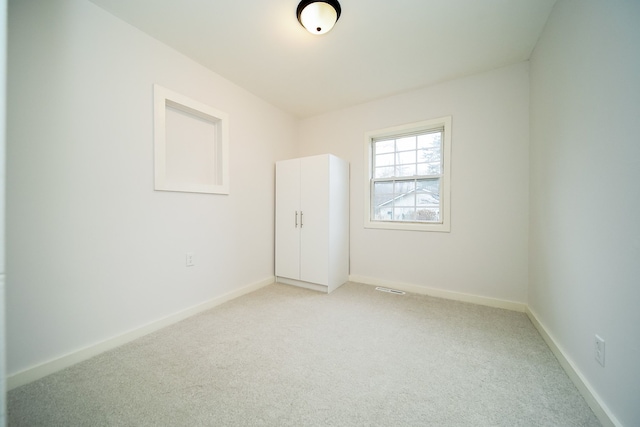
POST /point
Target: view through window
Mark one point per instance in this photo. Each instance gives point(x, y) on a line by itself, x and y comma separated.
point(407, 177)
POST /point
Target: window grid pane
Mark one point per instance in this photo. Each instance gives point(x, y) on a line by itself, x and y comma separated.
point(407, 200)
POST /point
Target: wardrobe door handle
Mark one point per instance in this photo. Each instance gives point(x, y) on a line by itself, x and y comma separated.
point(301, 224)
point(296, 219)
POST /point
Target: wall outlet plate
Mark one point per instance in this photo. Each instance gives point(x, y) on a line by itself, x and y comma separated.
point(191, 259)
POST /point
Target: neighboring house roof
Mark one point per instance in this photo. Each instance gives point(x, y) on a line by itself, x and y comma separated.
point(431, 198)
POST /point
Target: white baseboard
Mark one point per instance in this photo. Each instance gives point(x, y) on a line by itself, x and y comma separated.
point(46, 368)
point(439, 293)
point(596, 404)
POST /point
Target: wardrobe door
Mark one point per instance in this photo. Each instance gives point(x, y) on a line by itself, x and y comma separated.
point(288, 219)
point(314, 231)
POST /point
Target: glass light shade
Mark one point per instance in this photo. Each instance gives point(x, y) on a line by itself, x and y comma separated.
point(318, 17)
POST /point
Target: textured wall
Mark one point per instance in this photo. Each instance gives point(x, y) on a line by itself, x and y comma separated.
point(585, 196)
point(93, 250)
point(485, 254)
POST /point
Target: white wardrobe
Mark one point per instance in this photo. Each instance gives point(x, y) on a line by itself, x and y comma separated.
point(312, 222)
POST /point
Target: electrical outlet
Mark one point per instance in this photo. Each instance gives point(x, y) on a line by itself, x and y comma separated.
point(599, 348)
point(191, 259)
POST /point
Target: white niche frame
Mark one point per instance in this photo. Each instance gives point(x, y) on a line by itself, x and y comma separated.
point(196, 160)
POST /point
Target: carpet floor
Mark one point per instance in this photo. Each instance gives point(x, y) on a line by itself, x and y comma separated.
point(285, 356)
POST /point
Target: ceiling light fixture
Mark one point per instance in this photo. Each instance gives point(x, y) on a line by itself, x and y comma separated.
point(318, 17)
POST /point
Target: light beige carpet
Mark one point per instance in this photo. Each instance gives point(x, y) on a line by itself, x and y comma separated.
point(284, 356)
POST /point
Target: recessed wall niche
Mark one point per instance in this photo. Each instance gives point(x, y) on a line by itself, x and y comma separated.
point(191, 145)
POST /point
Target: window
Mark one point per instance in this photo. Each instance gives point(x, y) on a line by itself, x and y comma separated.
point(407, 179)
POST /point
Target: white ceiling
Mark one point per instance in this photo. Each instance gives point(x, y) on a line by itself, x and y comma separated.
point(377, 48)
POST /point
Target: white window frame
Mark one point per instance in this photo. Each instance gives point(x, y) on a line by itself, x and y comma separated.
point(218, 141)
point(445, 182)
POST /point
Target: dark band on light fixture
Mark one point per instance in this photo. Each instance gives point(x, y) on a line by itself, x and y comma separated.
point(305, 3)
point(318, 29)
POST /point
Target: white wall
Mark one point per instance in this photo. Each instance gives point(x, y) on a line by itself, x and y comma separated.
point(3, 115)
point(485, 253)
point(585, 193)
point(93, 251)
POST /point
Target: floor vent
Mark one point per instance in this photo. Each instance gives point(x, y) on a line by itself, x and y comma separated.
point(391, 291)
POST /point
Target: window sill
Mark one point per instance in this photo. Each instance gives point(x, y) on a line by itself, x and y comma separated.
point(408, 226)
